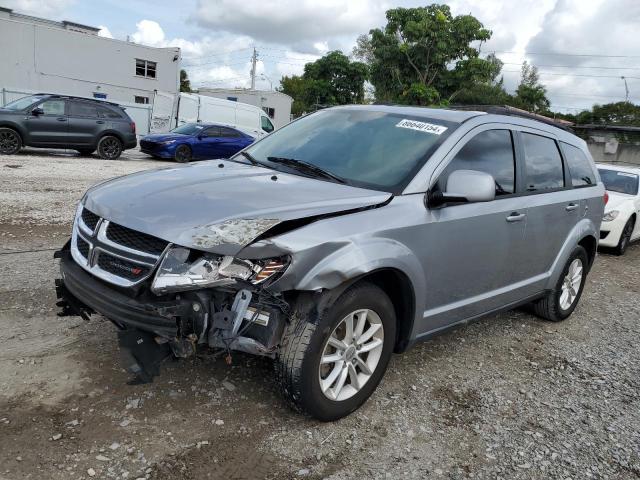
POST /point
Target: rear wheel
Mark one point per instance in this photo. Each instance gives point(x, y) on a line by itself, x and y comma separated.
point(625, 237)
point(109, 147)
point(10, 141)
point(563, 299)
point(329, 367)
point(183, 154)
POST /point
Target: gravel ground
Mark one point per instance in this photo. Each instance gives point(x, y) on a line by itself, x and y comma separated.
point(508, 397)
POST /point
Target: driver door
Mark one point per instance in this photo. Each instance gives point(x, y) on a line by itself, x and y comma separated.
point(50, 129)
point(472, 249)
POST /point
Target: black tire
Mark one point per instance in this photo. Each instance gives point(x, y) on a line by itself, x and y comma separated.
point(549, 307)
point(86, 151)
point(10, 141)
point(625, 237)
point(183, 154)
point(298, 360)
point(109, 147)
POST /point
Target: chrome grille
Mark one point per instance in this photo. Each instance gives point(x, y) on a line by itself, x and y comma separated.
point(112, 252)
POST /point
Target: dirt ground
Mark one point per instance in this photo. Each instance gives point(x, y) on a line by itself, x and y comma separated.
point(508, 397)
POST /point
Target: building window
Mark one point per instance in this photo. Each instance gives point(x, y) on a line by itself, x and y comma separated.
point(232, 99)
point(143, 100)
point(145, 68)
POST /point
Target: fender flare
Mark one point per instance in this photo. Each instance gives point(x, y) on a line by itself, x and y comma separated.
point(17, 127)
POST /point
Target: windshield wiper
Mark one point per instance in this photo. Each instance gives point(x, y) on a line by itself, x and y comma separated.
point(307, 167)
point(252, 159)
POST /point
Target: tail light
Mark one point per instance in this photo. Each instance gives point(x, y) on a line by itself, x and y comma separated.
point(133, 127)
point(606, 197)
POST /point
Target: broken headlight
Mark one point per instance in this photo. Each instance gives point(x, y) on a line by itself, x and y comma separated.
point(184, 269)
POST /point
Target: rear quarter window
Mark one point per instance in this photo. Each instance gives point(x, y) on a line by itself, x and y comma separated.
point(543, 163)
point(582, 175)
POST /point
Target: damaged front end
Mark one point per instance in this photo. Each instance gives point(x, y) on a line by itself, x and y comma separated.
point(190, 299)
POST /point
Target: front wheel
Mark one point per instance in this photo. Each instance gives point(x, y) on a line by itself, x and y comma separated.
point(183, 154)
point(109, 147)
point(563, 299)
point(329, 367)
point(625, 238)
point(10, 141)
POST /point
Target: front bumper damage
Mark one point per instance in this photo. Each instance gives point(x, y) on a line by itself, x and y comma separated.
point(151, 328)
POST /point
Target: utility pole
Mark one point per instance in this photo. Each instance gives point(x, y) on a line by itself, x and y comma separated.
point(626, 89)
point(254, 58)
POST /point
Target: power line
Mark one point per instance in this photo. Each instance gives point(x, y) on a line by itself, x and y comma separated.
point(568, 54)
point(573, 74)
point(576, 66)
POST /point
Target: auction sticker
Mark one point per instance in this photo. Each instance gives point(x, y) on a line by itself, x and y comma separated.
point(421, 126)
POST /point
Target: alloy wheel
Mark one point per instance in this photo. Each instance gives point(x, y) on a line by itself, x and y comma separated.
point(351, 354)
point(9, 142)
point(110, 147)
point(571, 284)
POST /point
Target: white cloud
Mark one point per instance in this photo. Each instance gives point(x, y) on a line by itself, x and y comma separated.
point(148, 33)
point(104, 32)
point(39, 8)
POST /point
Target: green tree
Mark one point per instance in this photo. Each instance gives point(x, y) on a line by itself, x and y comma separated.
point(185, 84)
point(331, 80)
point(412, 58)
point(531, 94)
point(619, 113)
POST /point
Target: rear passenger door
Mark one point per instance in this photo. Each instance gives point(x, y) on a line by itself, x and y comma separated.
point(552, 210)
point(84, 123)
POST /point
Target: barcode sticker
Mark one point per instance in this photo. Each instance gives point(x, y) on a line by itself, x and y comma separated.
point(421, 126)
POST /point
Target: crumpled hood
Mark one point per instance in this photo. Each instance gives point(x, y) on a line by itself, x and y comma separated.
point(163, 137)
point(615, 200)
point(217, 209)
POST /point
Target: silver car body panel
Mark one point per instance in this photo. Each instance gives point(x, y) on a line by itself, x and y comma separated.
point(462, 261)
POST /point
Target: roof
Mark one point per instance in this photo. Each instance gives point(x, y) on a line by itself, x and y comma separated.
point(58, 95)
point(457, 116)
point(243, 91)
point(622, 168)
point(65, 24)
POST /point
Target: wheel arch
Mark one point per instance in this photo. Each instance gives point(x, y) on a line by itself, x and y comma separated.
point(112, 133)
point(18, 128)
point(590, 244)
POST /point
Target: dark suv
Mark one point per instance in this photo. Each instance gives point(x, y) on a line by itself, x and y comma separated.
point(60, 121)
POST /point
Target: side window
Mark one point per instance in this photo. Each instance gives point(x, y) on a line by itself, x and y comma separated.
point(83, 109)
point(104, 112)
point(491, 152)
point(582, 174)
point(53, 107)
point(543, 163)
point(228, 132)
point(212, 132)
point(266, 124)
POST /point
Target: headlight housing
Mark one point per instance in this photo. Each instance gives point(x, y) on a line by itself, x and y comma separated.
point(167, 142)
point(610, 216)
point(185, 269)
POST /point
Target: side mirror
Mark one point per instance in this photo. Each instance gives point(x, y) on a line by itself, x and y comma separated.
point(37, 111)
point(465, 186)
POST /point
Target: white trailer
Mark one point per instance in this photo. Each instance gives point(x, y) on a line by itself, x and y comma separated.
point(170, 111)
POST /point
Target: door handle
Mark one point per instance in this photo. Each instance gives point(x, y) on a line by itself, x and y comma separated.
point(100, 122)
point(61, 119)
point(516, 217)
point(571, 207)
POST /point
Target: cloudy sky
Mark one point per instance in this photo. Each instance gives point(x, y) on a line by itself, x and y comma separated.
point(582, 47)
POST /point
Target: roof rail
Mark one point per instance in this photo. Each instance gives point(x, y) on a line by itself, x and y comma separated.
point(515, 112)
point(60, 95)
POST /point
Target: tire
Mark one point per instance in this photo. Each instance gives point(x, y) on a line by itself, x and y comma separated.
point(183, 154)
point(552, 306)
point(109, 147)
point(86, 151)
point(625, 237)
point(298, 367)
point(10, 141)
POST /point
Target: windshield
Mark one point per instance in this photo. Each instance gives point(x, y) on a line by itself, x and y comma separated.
point(620, 182)
point(188, 129)
point(23, 102)
point(372, 149)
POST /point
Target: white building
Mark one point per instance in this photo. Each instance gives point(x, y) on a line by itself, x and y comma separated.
point(38, 55)
point(276, 104)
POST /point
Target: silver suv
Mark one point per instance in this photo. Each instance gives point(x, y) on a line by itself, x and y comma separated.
point(348, 235)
